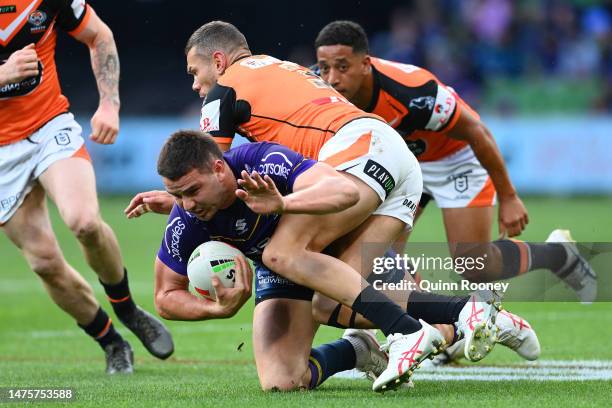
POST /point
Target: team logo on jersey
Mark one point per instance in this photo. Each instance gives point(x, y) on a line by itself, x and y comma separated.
point(422, 102)
point(8, 9)
point(37, 18)
point(380, 175)
point(241, 226)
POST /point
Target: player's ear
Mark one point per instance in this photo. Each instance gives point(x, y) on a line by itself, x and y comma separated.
point(220, 60)
point(366, 64)
point(218, 168)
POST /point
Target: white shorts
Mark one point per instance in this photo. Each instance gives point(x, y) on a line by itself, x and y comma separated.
point(458, 181)
point(375, 153)
point(22, 162)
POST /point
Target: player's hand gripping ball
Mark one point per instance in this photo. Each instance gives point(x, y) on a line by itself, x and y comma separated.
point(210, 259)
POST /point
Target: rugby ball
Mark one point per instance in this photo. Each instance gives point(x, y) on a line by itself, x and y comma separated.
point(209, 259)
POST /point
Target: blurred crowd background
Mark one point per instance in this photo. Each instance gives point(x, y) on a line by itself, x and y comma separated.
point(503, 56)
point(538, 71)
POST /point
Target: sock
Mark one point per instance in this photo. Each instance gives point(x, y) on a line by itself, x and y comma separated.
point(547, 256)
point(434, 308)
point(457, 335)
point(342, 317)
point(120, 297)
point(102, 329)
point(519, 257)
point(386, 315)
point(329, 359)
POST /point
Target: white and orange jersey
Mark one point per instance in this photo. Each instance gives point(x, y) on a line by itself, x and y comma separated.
point(26, 106)
point(421, 108)
point(265, 99)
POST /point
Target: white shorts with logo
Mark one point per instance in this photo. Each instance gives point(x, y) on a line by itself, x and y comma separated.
point(375, 153)
point(22, 162)
point(458, 181)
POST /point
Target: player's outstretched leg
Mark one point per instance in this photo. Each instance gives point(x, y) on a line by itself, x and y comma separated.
point(30, 230)
point(70, 183)
point(576, 271)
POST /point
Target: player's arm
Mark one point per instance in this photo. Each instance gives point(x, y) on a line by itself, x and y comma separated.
point(512, 213)
point(174, 301)
point(20, 65)
point(318, 190)
point(105, 64)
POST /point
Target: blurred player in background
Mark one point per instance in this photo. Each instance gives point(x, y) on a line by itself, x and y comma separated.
point(463, 169)
point(42, 153)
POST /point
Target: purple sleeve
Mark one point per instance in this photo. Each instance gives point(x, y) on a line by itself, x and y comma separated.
point(283, 165)
point(183, 234)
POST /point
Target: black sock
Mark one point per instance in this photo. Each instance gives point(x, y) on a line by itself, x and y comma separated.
point(102, 329)
point(434, 308)
point(348, 320)
point(547, 256)
point(120, 297)
point(329, 359)
point(386, 315)
point(519, 257)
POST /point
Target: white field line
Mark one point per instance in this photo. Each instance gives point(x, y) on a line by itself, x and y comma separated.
point(545, 370)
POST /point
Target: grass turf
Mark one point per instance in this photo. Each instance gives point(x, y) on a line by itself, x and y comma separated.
point(40, 346)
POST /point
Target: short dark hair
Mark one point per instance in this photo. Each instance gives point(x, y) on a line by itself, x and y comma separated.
point(186, 150)
point(343, 32)
point(216, 35)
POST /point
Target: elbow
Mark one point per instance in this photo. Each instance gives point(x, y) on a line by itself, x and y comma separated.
point(159, 306)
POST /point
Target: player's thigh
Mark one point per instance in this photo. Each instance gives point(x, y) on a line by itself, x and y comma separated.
point(283, 331)
point(468, 230)
point(30, 230)
point(66, 172)
point(71, 184)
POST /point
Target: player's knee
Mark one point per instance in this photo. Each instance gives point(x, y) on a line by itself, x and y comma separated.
point(282, 381)
point(277, 259)
point(85, 226)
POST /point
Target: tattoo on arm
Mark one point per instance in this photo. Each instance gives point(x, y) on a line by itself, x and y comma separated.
point(105, 64)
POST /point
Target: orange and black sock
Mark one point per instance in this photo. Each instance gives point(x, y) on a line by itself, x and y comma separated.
point(102, 329)
point(119, 296)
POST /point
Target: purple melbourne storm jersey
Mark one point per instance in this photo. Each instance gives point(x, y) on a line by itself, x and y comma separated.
point(236, 225)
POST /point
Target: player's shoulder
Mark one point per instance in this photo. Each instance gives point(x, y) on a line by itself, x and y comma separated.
point(251, 153)
point(405, 74)
point(246, 68)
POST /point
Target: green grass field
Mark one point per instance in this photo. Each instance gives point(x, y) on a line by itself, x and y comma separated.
point(42, 347)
